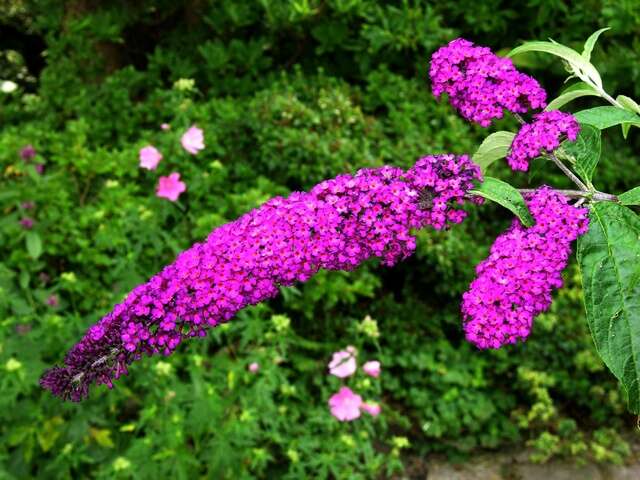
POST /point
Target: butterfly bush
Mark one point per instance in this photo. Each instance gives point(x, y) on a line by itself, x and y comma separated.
point(545, 133)
point(514, 284)
point(480, 85)
point(337, 225)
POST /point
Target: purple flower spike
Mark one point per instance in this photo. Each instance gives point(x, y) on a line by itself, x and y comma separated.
point(336, 226)
point(544, 134)
point(480, 85)
point(515, 282)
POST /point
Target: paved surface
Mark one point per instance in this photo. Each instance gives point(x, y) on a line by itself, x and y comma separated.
point(512, 467)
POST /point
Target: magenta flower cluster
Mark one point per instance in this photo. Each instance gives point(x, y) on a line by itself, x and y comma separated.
point(480, 85)
point(515, 282)
point(336, 226)
point(545, 133)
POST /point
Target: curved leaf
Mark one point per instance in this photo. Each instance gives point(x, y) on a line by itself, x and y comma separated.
point(492, 148)
point(577, 90)
point(591, 41)
point(605, 117)
point(505, 195)
point(609, 258)
point(628, 103)
point(581, 67)
point(630, 197)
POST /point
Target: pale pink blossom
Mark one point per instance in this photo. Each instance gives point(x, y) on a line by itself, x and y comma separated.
point(254, 367)
point(345, 405)
point(343, 363)
point(372, 409)
point(165, 126)
point(372, 368)
point(170, 187)
point(193, 140)
point(150, 157)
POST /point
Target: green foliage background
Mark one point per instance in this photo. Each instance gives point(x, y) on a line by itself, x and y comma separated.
point(288, 93)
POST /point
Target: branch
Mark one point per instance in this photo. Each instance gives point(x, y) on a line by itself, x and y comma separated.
point(566, 171)
point(597, 196)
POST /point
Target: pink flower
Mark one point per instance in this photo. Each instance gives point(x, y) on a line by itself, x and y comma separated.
point(372, 409)
point(52, 301)
point(254, 367)
point(27, 152)
point(27, 223)
point(372, 368)
point(165, 126)
point(39, 168)
point(150, 157)
point(193, 140)
point(345, 405)
point(170, 187)
point(343, 363)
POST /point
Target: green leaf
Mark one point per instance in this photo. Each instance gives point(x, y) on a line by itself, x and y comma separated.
point(628, 103)
point(609, 258)
point(586, 151)
point(631, 197)
point(590, 43)
point(505, 195)
point(23, 279)
point(576, 90)
point(34, 245)
point(605, 117)
point(580, 67)
point(492, 148)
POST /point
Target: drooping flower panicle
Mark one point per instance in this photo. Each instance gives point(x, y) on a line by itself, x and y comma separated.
point(481, 85)
point(336, 226)
point(544, 134)
point(514, 284)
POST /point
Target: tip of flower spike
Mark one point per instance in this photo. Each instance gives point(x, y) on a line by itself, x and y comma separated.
point(481, 85)
point(514, 284)
point(62, 383)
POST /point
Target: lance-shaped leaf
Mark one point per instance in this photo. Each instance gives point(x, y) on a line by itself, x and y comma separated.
point(576, 90)
point(505, 195)
point(609, 258)
point(605, 117)
point(591, 42)
point(494, 147)
point(580, 67)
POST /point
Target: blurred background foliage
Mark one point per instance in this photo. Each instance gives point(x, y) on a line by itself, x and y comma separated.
point(288, 92)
